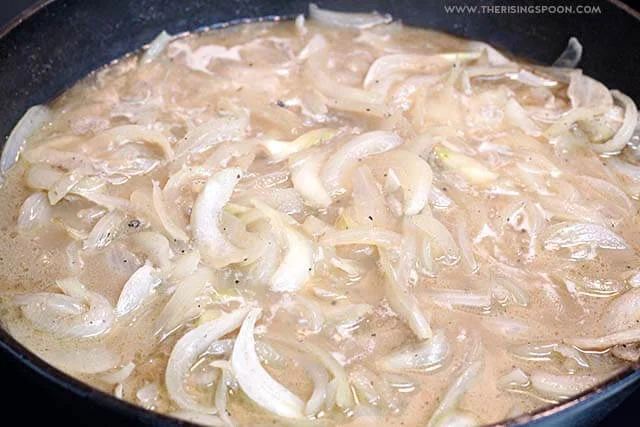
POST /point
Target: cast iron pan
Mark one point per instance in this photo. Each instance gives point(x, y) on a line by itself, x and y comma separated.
point(55, 43)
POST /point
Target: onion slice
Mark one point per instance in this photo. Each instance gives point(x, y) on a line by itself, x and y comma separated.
point(413, 63)
point(572, 234)
point(33, 119)
point(343, 159)
point(425, 356)
point(214, 247)
point(156, 47)
point(570, 56)
point(35, 211)
point(414, 175)
point(347, 20)
point(305, 176)
point(362, 236)
point(626, 130)
point(603, 342)
point(402, 301)
point(297, 262)
point(280, 150)
point(79, 313)
point(171, 226)
point(213, 132)
point(137, 288)
point(187, 351)
point(255, 381)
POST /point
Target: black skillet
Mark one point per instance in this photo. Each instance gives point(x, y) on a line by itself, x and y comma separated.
point(56, 43)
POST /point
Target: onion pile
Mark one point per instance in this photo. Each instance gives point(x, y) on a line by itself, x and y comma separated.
point(336, 219)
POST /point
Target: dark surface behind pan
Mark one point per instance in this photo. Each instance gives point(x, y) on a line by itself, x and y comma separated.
point(69, 38)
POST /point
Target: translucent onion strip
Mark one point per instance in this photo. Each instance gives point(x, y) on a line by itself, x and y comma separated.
point(205, 219)
point(297, 262)
point(347, 20)
point(33, 119)
point(625, 132)
point(255, 381)
point(343, 159)
point(187, 351)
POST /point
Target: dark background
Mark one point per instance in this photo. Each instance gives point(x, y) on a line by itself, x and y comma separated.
point(31, 403)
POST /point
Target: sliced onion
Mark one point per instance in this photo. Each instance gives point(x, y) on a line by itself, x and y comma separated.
point(138, 288)
point(466, 166)
point(104, 231)
point(34, 212)
point(626, 130)
point(457, 418)
point(184, 266)
point(439, 235)
point(170, 224)
point(466, 378)
point(583, 91)
point(153, 246)
point(369, 205)
point(403, 302)
point(515, 378)
point(343, 159)
point(198, 418)
point(562, 386)
point(280, 150)
point(493, 55)
point(221, 396)
point(255, 381)
point(413, 63)
point(135, 133)
point(320, 382)
point(119, 375)
point(182, 302)
point(425, 356)
point(199, 58)
point(570, 56)
point(214, 247)
point(343, 395)
point(284, 200)
point(297, 261)
point(186, 175)
point(316, 44)
point(33, 119)
point(78, 314)
point(623, 313)
point(341, 96)
point(63, 186)
point(156, 47)
point(566, 121)
point(518, 116)
point(450, 298)
point(606, 341)
point(85, 359)
point(42, 177)
point(213, 132)
point(544, 352)
point(187, 351)
point(466, 248)
point(414, 177)
point(148, 395)
point(347, 20)
point(364, 236)
point(305, 176)
point(105, 200)
point(572, 234)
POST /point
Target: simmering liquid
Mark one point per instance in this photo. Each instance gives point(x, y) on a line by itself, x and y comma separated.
point(333, 222)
